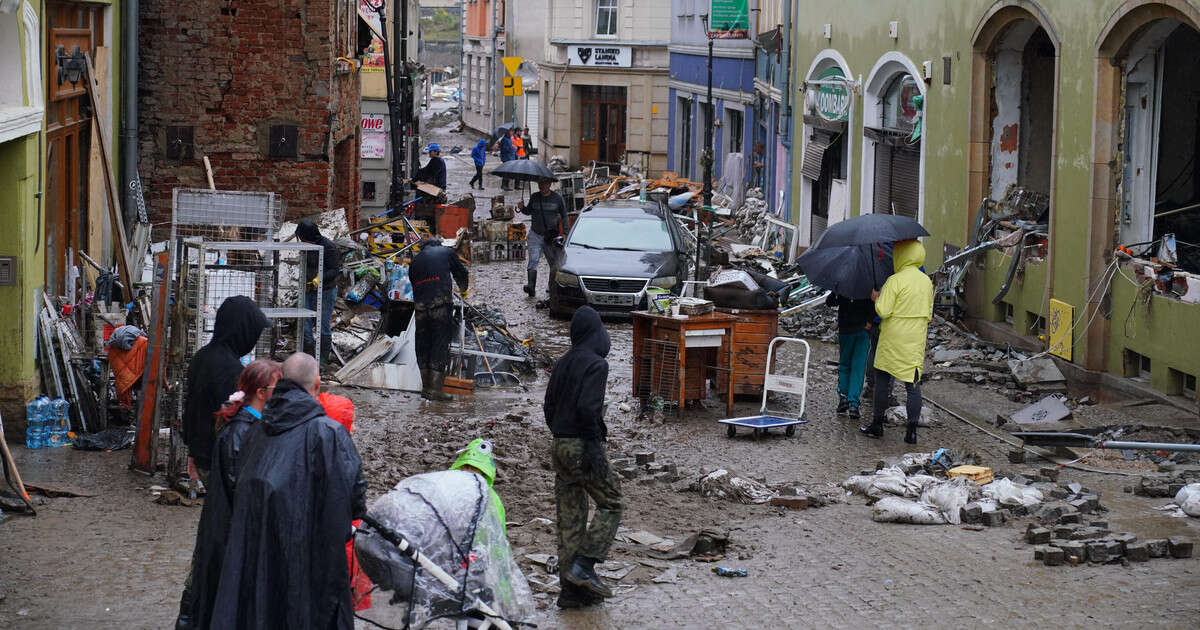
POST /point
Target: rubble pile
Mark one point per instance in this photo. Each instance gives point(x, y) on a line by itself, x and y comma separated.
point(749, 222)
point(818, 322)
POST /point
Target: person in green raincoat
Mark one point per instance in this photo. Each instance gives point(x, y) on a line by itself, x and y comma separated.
point(905, 306)
point(477, 458)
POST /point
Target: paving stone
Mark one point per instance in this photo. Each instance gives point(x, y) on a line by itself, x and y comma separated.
point(1065, 531)
point(1088, 533)
point(1080, 505)
point(1039, 552)
point(995, 518)
point(1098, 523)
point(1016, 456)
point(1054, 556)
point(1049, 473)
point(1069, 518)
point(629, 472)
point(1137, 552)
point(1037, 535)
point(643, 457)
point(1098, 551)
point(1180, 548)
point(1159, 547)
point(1073, 550)
point(791, 503)
point(971, 513)
point(1093, 501)
point(1125, 539)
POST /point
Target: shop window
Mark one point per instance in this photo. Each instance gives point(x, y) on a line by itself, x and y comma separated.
point(734, 131)
point(1159, 188)
point(684, 116)
point(606, 17)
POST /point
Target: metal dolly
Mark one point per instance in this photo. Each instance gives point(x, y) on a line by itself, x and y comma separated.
point(778, 383)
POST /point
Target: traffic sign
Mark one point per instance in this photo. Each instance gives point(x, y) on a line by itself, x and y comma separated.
point(512, 64)
point(513, 86)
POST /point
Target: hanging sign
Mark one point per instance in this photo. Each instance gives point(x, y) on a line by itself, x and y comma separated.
point(373, 59)
point(374, 137)
point(729, 19)
point(600, 56)
point(829, 95)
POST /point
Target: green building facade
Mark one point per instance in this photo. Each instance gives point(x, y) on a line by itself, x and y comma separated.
point(926, 108)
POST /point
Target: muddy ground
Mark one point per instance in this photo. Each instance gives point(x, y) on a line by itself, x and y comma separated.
point(118, 560)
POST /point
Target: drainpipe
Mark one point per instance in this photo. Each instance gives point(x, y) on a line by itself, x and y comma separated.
point(462, 28)
point(787, 109)
point(129, 103)
point(495, 104)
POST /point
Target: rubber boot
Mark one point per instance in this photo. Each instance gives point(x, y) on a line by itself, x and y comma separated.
point(582, 573)
point(910, 433)
point(426, 383)
point(843, 404)
point(531, 283)
point(437, 390)
point(571, 596)
point(875, 430)
point(326, 348)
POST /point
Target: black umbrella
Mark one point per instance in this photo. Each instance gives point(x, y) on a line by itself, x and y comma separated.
point(499, 131)
point(524, 171)
point(868, 229)
point(852, 271)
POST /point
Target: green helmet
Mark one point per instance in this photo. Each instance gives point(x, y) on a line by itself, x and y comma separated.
point(478, 455)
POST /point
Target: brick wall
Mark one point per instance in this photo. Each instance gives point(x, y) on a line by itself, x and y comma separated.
point(230, 69)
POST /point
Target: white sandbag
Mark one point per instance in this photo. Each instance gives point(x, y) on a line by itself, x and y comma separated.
point(948, 497)
point(858, 484)
point(898, 416)
point(1005, 492)
point(1188, 499)
point(897, 510)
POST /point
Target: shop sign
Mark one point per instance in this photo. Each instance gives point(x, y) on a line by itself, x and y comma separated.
point(729, 19)
point(600, 56)
point(374, 137)
point(373, 59)
point(829, 95)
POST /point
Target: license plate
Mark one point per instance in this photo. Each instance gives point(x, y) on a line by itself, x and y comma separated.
point(613, 300)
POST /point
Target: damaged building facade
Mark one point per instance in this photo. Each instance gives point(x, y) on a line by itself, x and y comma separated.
point(269, 92)
point(1079, 121)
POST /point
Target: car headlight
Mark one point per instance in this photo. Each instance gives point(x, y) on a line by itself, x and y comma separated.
point(665, 282)
point(566, 279)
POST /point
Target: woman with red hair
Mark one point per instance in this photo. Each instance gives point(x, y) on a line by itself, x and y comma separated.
point(234, 421)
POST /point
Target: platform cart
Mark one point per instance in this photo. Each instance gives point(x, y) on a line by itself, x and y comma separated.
point(767, 419)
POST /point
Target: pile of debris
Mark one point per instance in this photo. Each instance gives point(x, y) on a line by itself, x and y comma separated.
point(818, 322)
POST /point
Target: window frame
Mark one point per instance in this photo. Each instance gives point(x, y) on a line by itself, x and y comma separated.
point(611, 6)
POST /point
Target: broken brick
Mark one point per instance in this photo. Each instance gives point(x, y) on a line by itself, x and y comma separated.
point(791, 503)
point(1180, 548)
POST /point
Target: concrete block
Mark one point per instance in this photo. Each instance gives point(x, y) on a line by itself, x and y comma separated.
point(1088, 533)
point(1180, 548)
point(1037, 535)
point(1098, 523)
point(971, 513)
point(995, 518)
point(1016, 456)
point(1076, 551)
point(1050, 473)
point(1174, 488)
point(1114, 548)
point(629, 472)
point(791, 503)
point(1158, 548)
point(1137, 552)
point(1039, 552)
point(1097, 551)
point(1054, 556)
point(1080, 505)
point(643, 457)
point(1048, 409)
point(1065, 531)
point(1036, 371)
point(1125, 539)
point(1069, 518)
point(665, 477)
point(1058, 493)
point(1093, 501)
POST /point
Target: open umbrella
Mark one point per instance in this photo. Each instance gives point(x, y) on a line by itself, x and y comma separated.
point(499, 131)
point(523, 171)
point(868, 229)
point(852, 271)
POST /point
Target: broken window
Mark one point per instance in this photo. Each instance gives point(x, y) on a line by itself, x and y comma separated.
point(1022, 104)
point(1160, 180)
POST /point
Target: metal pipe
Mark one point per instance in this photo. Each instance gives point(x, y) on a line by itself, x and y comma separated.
point(1150, 446)
point(129, 103)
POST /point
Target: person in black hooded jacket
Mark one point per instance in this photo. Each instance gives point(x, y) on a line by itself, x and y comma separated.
point(299, 487)
point(433, 272)
point(213, 373)
point(574, 409)
point(308, 232)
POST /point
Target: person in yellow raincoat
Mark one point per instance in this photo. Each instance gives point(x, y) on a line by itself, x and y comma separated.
point(905, 304)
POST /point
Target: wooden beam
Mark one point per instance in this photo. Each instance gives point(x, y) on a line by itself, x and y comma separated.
point(115, 216)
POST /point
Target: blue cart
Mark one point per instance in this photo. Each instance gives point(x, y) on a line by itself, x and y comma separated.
point(767, 419)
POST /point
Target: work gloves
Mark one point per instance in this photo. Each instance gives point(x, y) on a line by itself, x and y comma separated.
point(463, 294)
point(312, 284)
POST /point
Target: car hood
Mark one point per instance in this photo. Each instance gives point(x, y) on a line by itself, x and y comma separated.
point(582, 261)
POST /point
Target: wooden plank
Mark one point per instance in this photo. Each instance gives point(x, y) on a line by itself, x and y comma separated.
point(145, 445)
point(96, 188)
point(121, 246)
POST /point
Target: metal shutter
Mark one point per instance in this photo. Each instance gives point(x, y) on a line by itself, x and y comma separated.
point(819, 224)
point(881, 204)
point(897, 179)
point(533, 114)
point(814, 153)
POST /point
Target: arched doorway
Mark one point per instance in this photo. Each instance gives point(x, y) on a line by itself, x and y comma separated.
point(893, 164)
point(825, 145)
point(1145, 139)
point(1013, 104)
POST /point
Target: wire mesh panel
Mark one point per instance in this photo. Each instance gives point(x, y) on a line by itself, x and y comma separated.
point(658, 373)
point(225, 215)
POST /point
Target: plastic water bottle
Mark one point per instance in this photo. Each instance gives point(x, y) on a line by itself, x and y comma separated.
point(61, 424)
point(33, 425)
point(50, 434)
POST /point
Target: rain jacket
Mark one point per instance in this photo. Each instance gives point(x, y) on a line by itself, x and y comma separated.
point(479, 153)
point(213, 373)
point(434, 172)
point(432, 271)
point(197, 604)
point(508, 150)
point(299, 487)
point(478, 455)
point(905, 305)
point(332, 264)
point(574, 404)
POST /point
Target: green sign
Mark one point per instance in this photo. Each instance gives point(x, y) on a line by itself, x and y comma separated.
point(729, 19)
point(829, 95)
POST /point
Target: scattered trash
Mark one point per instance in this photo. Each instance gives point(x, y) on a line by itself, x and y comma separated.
point(111, 439)
point(726, 485)
point(670, 576)
point(728, 572)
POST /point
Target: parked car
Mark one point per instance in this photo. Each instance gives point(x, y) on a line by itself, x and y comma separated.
point(614, 252)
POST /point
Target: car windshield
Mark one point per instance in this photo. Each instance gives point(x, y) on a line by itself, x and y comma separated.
point(636, 234)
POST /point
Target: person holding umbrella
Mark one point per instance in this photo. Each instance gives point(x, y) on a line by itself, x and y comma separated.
point(547, 226)
point(855, 320)
point(508, 153)
point(905, 304)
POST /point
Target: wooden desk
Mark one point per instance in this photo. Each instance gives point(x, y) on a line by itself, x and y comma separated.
point(752, 334)
point(672, 356)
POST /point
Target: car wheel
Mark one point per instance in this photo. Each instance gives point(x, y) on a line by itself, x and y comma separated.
point(556, 311)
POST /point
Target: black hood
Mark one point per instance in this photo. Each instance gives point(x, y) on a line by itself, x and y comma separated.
point(290, 407)
point(588, 332)
point(307, 231)
point(239, 324)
